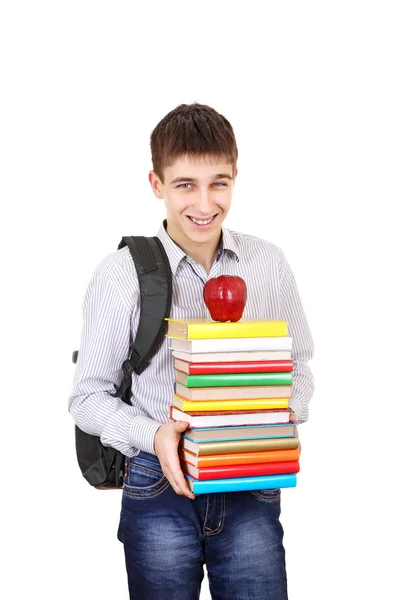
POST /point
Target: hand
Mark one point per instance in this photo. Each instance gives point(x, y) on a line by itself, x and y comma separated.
point(166, 443)
point(294, 419)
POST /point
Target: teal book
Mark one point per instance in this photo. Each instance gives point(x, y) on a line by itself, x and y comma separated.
point(241, 484)
point(233, 379)
point(235, 432)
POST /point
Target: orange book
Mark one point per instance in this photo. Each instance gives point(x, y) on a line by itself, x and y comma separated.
point(237, 458)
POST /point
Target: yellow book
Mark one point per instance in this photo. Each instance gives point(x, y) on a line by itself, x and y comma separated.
point(231, 405)
point(200, 329)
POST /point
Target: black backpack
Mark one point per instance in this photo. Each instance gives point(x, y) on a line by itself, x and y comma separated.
point(102, 466)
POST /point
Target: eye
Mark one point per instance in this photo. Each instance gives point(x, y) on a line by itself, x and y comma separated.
point(217, 183)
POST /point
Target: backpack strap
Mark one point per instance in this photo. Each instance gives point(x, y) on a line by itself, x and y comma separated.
point(155, 285)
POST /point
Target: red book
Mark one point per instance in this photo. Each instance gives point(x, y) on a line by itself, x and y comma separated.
point(245, 470)
point(262, 366)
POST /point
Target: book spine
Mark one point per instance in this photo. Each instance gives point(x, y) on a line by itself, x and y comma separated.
point(239, 458)
point(255, 445)
point(222, 419)
point(230, 357)
point(201, 331)
point(278, 366)
point(269, 430)
point(239, 344)
point(250, 436)
point(236, 432)
point(238, 379)
point(231, 405)
point(236, 484)
point(243, 393)
point(247, 470)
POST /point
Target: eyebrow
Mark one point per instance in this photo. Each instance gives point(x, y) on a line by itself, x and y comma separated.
point(192, 180)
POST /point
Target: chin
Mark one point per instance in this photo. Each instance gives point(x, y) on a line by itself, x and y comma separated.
point(202, 238)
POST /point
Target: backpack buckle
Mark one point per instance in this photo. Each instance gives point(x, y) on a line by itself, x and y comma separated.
point(127, 368)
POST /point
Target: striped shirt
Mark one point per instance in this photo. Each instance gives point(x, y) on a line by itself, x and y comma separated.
point(111, 314)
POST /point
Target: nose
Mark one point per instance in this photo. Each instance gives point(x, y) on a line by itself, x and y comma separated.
point(204, 202)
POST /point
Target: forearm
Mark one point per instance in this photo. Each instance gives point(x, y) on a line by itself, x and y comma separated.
point(303, 345)
point(103, 349)
point(116, 423)
point(302, 390)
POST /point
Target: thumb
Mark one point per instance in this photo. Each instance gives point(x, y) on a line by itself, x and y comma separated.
point(181, 425)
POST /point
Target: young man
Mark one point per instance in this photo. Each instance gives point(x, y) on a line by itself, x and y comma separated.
point(167, 532)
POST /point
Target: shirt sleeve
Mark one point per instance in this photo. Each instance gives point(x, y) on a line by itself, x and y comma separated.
point(303, 346)
point(104, 347)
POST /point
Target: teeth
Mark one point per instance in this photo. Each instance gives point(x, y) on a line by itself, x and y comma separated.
point(201, 222)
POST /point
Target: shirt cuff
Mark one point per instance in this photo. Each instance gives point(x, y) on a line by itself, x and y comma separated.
point(297, 408)
point(143, 431)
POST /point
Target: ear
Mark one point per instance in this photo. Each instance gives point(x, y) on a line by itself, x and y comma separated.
point(156, 184)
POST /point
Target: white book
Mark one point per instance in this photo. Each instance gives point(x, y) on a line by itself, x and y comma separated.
point(231, 356)
point(233, 392)
point(231, 345)
point(225, 419)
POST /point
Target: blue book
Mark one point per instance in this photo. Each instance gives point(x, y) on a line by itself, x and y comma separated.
point(241, 484)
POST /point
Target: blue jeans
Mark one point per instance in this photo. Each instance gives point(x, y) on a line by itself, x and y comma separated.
point(168, 538)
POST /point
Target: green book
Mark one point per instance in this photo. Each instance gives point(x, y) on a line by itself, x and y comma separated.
point(233, 379)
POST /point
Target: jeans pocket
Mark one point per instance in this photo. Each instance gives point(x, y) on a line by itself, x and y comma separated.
point(120, 532)
point(144, 479)
point(273, 495)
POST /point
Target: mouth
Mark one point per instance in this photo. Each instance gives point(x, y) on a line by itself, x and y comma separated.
point(202, 223)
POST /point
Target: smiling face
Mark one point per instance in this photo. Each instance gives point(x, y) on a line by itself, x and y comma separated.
point(197, 195)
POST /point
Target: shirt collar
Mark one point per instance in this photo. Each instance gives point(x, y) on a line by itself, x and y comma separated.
point(229, 243)
point(176, 254)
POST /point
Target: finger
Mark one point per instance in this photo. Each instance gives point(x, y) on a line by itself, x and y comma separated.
point(180, 426)
point(175, 476)
point(172, 481)
point(183, 484)
point(180, 480)
point(180, 487)
point(184, 487)
point(169, 475)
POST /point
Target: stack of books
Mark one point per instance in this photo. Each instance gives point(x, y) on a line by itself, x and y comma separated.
point(233, 382)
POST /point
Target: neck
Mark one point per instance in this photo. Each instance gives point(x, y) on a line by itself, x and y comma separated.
point(203, 258)
point(203, 254)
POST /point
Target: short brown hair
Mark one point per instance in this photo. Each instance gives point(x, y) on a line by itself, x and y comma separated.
point(192, 129)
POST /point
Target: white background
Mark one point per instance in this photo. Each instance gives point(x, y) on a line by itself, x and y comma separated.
point(312, 91)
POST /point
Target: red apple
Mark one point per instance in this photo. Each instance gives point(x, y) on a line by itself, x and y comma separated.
point(225, 297)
